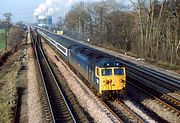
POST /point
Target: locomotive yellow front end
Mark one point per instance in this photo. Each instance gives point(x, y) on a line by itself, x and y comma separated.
point(112, 81)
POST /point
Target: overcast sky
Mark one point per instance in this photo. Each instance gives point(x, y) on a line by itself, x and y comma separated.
point(23, 10)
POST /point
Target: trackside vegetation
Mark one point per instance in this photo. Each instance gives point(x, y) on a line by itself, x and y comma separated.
point(2, 39)
point(8, 91)
point(10, 56)
point(149, 29)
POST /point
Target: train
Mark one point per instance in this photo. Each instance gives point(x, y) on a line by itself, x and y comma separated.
point(101, 70)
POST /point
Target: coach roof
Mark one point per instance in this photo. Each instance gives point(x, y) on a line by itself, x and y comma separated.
point(60, 39)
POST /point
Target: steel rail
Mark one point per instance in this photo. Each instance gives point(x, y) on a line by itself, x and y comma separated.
point(169, 84)
point(60, 108)
point(47, 109)
point(123, 113)
point(162, 95)
point(110, 109)
point(158, 99)
point(134, 116)
point(163, 75)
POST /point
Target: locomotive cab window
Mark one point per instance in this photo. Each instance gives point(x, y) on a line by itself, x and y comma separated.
point(106, 72)
point(119, 71)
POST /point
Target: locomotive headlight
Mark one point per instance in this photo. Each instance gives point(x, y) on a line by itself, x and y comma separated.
point(113, 81)
point(107, 64)
point(117, 64)
point(123, 80)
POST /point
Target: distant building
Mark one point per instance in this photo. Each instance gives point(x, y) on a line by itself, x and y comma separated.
point(43, 21)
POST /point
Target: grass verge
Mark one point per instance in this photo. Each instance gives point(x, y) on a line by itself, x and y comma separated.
point(8, 92)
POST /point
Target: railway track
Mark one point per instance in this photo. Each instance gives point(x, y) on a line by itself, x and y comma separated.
point(47, 110)
point(123, 115)
point(170, 84)
point(120, 119)
point(123, 112)
point(162, 75)
point(167, 82)
point(150, 89)
point(166, 101)
point(56, 108)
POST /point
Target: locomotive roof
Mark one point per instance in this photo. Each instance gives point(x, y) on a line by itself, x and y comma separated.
point(108, 62)
point(92, 57)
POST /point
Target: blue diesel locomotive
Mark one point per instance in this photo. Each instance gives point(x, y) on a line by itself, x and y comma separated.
point(104, 71)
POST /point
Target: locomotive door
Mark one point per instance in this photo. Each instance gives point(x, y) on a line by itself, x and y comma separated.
point(90, 74)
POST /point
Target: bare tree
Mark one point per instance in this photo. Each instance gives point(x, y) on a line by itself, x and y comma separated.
point(151, 30)
point(7, 24)
point(60, 23)
point(16, 34)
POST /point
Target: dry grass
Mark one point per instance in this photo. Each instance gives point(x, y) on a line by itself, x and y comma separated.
point(164, 65)
point(8, 91)
point(175, 68)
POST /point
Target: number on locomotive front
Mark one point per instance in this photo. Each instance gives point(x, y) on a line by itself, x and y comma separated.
point(111, 79)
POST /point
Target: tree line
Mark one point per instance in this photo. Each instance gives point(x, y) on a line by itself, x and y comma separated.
point(13, 33)
point(149, 29)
